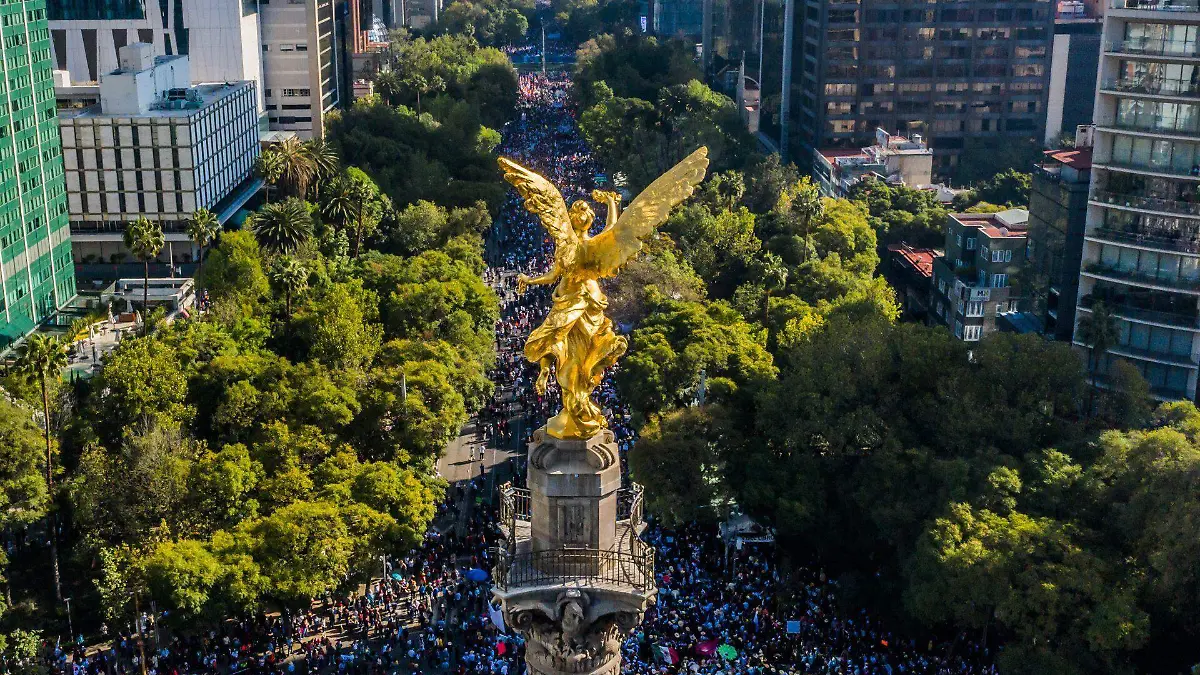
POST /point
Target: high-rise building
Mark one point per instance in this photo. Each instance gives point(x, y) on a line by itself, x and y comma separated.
point(1141, 254)
point(1074, 58)
point(302, 64)
point(146, 142)
point(965, 75)
point(220, 37)
point(36, 277)
point(1058, 202)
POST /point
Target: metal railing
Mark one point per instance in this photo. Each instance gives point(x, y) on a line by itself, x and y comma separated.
point(1163, 242)
point(516, 506)
point(1163, 168)
point(1151, 47)
point(1150, 85)
point(1132, 312)
point(1148, 203)
point(1156, 5)
point(589, 567)
point(1192, 284)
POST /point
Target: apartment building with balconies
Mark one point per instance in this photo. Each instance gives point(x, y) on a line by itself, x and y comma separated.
point(1141, 251)
point(972, 282)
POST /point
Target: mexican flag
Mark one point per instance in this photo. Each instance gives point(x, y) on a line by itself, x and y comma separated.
point(665, 654)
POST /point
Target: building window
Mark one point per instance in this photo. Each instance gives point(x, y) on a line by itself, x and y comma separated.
point(999, 280)
point(983, 252)
point(974, 309)
point(942, 286)
point(958, 329)
point(972, 333)
point(958, 239)
point(971, 243)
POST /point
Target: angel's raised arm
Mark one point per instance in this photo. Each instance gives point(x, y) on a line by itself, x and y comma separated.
point(543, 200)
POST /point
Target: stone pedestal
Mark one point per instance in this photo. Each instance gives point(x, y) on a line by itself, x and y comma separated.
point(573, 493)
point(577, 580)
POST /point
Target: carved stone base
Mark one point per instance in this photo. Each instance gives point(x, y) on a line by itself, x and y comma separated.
point(571, 639)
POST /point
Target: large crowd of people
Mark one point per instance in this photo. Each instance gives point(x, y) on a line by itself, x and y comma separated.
point(720, 609)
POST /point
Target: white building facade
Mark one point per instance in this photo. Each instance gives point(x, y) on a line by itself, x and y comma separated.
point(1141, 254)
point(300, 64)
point(155, 147)
point(220, 37)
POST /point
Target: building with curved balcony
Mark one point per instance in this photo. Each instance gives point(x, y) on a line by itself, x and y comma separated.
point(1141, 250)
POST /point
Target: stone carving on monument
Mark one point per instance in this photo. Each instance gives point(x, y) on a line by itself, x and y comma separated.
point(573, 575)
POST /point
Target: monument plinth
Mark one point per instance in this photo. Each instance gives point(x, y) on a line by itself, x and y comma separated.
point(573, 576)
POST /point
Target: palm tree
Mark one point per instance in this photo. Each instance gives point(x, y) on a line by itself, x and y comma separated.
point(40, 357)
point(291, 277)
point(324, 159)
point(773, 273)
point(805, 202)
point(269, 166)
point(1099, 332)
point(348, 201)
point(145, 239)
point(296, 166)
point(388, 84)
point(202, 227)
point(283, 226)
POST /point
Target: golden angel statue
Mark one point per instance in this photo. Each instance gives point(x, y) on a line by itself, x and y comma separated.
point(576, 337)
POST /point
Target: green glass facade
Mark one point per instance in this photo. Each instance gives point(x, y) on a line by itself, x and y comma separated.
point(36, 274)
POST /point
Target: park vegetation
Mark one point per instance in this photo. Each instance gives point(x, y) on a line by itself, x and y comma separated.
point(273, 450)
point(975, 489)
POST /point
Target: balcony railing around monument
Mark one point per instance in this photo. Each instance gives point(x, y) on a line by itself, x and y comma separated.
point(584, 567)
point(515, 507)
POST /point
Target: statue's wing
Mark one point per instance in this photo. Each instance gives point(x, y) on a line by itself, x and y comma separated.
point(543, 200)
point(607, 251)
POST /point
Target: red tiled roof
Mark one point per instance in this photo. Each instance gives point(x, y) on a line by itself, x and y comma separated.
point(834, 153)
point(1077, 158)
point(921, 259)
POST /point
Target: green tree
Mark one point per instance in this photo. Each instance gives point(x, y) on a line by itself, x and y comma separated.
point(41, 357)
point(234, 274)
point(680, 458)
point(270, 167)
point(1098, 331)
point(1031, 576)
point(303, 549)
point(145, 240)
point(203, 228)
point(681, 343)
point(284, 226)
point(296, 169)
point(290, 276)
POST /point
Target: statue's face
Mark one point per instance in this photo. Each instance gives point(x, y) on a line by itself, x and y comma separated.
point(572, 616)
point(582, 216)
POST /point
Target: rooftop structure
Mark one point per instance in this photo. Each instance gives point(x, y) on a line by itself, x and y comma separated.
point(910, 272)
point(221, 37)
point(896, 159)
point(146, 143)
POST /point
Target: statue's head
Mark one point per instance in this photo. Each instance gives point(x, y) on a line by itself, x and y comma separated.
point(582, 217)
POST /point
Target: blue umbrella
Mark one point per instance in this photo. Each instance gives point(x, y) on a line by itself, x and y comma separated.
point(396, 576)
point(476, 574)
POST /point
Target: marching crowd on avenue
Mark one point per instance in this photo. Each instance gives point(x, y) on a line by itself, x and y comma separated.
point(718, 610)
